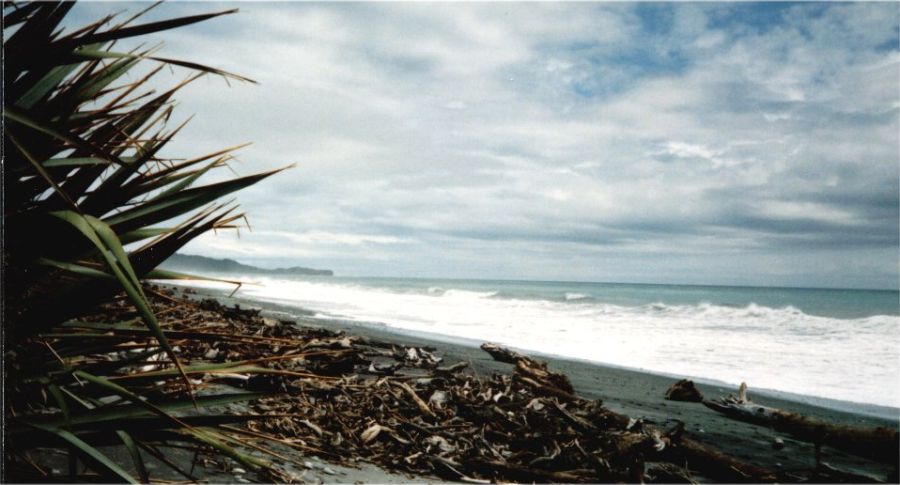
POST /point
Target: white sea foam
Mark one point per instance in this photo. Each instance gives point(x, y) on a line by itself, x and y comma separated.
point(576, 296)
point(776, 348)
point(466, 294)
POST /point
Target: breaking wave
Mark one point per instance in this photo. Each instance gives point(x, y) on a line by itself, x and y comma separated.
point(781, 348)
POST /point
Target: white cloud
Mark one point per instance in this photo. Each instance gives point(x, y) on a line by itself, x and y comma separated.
point(487, 129)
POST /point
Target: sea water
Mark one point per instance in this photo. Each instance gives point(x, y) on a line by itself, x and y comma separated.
point(839, 344)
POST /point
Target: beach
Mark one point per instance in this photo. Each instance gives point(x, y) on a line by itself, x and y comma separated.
point(599, 242)
point(633, 393)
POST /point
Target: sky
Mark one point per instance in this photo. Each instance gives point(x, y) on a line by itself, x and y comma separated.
point(699, 143)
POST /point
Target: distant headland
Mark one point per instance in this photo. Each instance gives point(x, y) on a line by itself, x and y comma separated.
point(190, 262)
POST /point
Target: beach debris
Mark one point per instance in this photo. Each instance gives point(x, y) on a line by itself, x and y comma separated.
point(451, 369)
point(684, 390)
point(714, 464)
point(370, 433)
point(347, 399)
point(533, 373)
point(878, 443)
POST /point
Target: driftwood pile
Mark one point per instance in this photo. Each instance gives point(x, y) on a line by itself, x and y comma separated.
point(348, 399)
point(525, 427)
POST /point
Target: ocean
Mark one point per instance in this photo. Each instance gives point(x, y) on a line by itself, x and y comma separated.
point(837, 344)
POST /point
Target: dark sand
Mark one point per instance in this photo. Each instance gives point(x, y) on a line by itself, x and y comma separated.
point(634, 393)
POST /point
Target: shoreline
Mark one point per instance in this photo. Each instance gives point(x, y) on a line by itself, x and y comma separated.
point(640, 395)
point(886, 413)
point(872, 410)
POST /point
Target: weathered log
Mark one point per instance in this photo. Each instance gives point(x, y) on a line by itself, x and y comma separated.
point(528, 474)
point(684, 390)
point(451, 369)
point(880, 443)
point(502, 354)
point(533, 373)
point(719, 466)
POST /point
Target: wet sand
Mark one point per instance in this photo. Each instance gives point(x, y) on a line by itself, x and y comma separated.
point(634, 393)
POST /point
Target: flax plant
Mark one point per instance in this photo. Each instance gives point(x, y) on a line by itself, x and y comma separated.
point(83, 181)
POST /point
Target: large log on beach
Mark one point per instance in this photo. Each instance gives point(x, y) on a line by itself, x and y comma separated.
point(880, 443)
point(719, 466)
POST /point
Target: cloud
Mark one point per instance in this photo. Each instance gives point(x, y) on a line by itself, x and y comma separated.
point(527, 140)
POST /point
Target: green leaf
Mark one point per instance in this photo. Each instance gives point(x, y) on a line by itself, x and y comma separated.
point(179, 203)
point(58, 132)
point(87, 53)
point(40, 170)
point(100, 461)
point(135, 453)
point(104, 78)
point(164, 274)
point(216, 440)
point(61, 402)
point(143, 233)
point(125, 393)
point(82, 270)
point(185, 182)
point(128, 411)
point(74, 162)
point(144, 29)
point(105, 240)
point(43, 87)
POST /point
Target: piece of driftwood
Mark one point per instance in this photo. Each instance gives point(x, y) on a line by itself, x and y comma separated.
point(422, 405)
point(881, 444)
point(684, 390)
point(452, 369)
point(502, 354)
point(533, 373)
point(529, 474)
point(719, 466)
point(548, 390)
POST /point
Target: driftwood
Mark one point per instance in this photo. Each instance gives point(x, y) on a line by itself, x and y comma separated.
point(719, 466)
point(881, 444)
point(638, 440)
point(502, 354)
point(529, 474)
point(349, 399)
point(684, 390)
point(533, 372)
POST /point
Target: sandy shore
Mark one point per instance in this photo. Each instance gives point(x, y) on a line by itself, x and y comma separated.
point(636, 394)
